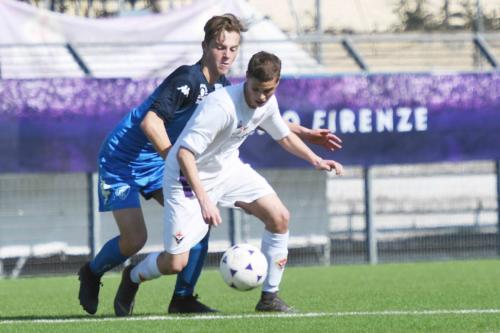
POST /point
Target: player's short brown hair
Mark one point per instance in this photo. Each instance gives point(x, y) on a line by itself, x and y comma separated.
point(264, 66)
point(217, 24)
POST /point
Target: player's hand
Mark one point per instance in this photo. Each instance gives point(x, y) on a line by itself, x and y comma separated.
point(323, 137)
point(210, 213)
point(329, 165)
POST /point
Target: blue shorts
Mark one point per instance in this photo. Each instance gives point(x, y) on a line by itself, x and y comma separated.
point(116, 193)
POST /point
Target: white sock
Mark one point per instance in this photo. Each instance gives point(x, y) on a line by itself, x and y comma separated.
point(275, 248)
point(147, 269)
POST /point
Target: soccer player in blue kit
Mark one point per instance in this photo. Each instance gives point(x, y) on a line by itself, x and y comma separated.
point(131, 162)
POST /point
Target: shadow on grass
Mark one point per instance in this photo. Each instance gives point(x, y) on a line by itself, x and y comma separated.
point(54, 317)
point(84, 317)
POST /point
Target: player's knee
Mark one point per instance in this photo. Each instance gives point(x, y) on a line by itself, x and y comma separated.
point(279, 221)
point(175, 268)
point(134, 244)
point(138, 243)
point(168, 264)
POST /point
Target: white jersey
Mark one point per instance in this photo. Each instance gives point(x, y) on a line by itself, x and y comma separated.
point(218, 127)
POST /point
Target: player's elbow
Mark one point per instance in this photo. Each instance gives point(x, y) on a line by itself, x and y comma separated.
point(184, 154)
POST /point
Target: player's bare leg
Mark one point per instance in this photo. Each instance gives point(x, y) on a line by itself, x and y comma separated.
point(271, 211)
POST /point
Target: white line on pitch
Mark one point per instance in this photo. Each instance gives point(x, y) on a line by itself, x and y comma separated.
point(264, 315)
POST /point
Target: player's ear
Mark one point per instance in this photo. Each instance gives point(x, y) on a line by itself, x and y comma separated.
point(204, 47)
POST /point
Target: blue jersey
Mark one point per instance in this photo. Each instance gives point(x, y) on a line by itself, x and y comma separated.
point(127, 159)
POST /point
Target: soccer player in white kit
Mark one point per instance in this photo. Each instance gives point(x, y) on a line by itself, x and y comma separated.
point(204, 169)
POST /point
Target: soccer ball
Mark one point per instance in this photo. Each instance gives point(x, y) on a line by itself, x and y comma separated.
point(243, 267)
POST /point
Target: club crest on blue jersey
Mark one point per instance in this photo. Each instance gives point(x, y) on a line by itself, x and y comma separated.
point(203, 93)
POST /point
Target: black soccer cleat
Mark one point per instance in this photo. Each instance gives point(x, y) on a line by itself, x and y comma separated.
point(188, 304)
point(89, 289)
point(125, 295)
point(270, 302)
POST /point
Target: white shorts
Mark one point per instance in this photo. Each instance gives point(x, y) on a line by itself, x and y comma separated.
point(183, 223)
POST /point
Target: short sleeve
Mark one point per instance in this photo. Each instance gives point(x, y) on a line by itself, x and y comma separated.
point(274, 124)
point(172, 94)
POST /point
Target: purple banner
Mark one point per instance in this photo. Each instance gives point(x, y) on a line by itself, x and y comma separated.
point(58, 124)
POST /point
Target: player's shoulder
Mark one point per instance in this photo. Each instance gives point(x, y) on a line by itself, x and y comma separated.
point(221, 92)
point(220, 99)
point(185, 73)
point(273, 102)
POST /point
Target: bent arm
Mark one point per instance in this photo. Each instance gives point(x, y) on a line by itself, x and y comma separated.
point(294, 145)
point(153, 127)
point(187, 163)
point(322, 137)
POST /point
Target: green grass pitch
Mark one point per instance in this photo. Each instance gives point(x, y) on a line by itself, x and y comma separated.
point(452, 296)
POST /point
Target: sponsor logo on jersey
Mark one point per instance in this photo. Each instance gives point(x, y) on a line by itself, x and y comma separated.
point(184, 89)
point(122, 191)
point(179, 236)
point(281, 263)
point(203, 93)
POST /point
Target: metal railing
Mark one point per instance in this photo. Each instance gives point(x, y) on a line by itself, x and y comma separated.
point(301, 56)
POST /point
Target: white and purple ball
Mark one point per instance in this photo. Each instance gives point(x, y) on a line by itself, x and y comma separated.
point(243, 267)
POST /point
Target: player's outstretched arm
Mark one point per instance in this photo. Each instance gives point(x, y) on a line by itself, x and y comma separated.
point(321, 136)
point(154, 128)
point(293, 144)
point(187, 163)
point(329, 165)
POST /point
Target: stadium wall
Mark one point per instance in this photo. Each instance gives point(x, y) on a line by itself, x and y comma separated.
point(51, 130)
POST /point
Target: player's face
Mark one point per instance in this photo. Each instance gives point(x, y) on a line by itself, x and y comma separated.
point(257, 93)
point(221, 52)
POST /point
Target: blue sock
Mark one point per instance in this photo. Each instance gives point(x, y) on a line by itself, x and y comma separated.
point(187, 278)
point(108, 258)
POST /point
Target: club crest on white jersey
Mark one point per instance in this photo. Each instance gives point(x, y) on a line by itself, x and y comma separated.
point(241, 131)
